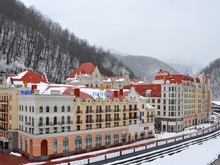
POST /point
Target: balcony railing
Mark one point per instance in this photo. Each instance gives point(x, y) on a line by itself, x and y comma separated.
point(79, 122)
point(108, 119)
point(90, 121)
point(79, 112)
point(99, 120)
point(99, 111)
point(125, 118)
point(117, 110)
point(108, 111)
point(117, 119)
point(89, 111)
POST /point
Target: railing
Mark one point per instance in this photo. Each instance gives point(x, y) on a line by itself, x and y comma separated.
point(78, 112)
point(79, 122)
point(108, 119)
point(90, 121)
point(89, 111)
point(99, 111)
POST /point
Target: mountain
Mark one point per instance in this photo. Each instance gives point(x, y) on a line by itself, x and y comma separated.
point(144, 66)
point(213, 69)
point(29, 40)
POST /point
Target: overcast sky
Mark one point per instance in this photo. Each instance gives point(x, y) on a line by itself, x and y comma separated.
point(169, 30)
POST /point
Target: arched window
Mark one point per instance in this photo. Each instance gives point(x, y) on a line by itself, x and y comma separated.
point(25, 145)
point(55, 120)
point(32, 108)
point(25, 108)
point(47, 121)
point(78, 143)
point(47, 109)
point(116, 138)
point(98, 140)
point(29, 108)
point(68, 109)
point(124, 137)
point(21, 143)
point(65, 144)
point(89, 141)
point(55, 146)
point(25, 118)
point(107, 138)
point(68, 119)
point(41, 109)
point(40, 121)
point(63, 109)
point(63, 120)
point(55, 108)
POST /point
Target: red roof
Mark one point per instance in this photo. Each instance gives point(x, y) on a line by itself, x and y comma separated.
point(174, 78)
point(85, 68)
point(142, 88)
point(31, 77)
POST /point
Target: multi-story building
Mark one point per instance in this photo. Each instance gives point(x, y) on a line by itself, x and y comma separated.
point(87, 75)
point(75, 120)
point(115, 82)
point(182, 100)
point(10, 88)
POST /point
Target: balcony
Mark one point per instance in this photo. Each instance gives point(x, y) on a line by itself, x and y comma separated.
point(3, 111)
point(3, 101)
point(79, 122)
point(117, 110)
point(125, 118)
point(108, 119)
point(125, 110)
point(99, 111)
point(89, 111)
point(78, 112)
point(89, 121)
point(117, 119)
point(5, 120)
point(108, 111)
point(99, 120)
point(133, 109)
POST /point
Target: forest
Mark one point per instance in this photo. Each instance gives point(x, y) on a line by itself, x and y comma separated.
point(30, 40)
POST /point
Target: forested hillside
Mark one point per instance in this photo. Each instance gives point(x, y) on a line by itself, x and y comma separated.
point(29, 40)
point(214, 71)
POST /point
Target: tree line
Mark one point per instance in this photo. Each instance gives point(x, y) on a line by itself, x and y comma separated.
point(32, 39)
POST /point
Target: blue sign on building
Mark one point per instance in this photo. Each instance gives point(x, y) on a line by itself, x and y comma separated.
point(25, 92)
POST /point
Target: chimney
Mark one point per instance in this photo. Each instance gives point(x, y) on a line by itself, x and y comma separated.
point(121, 92)
point(115, 93)
point(36, 92)
point(76, 92)
point(33, 87)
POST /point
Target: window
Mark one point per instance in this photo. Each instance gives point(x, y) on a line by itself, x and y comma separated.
point(32, 108)
point(55, 146)
point(41, 131)
point(63, 109)
point(47, 130)
point(25, 145)
point(116, 138)
point(89, 141)
point(78, 143)
point(107, 138)
point(40, 121)
point(124, 136)
point(47, 109)
point(68, 119)
point(68, 109)
point(98, 140)
point(55, 120)
point(55, 129)
point(68, 128)
point(65, 144)
point(47, 120)
point(55, 109)
point(41, 109)
point(63, 129)
point(21, 143)
point(63, 120)
point(29, 108)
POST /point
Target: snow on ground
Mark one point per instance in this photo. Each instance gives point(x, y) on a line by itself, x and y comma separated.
point(15, 154)
point(195, 154)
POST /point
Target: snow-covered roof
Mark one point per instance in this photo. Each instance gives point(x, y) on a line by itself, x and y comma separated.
point(148, 106)
point(216, 102)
